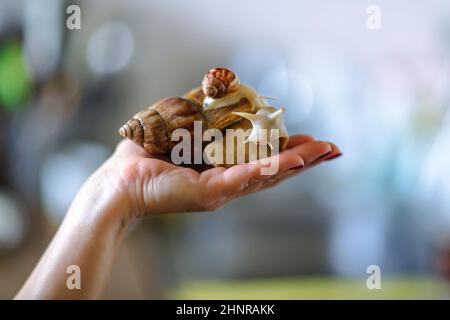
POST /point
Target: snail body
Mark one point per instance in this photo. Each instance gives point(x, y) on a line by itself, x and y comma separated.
point(243, 91)
point(258, 142)
point(267, 125)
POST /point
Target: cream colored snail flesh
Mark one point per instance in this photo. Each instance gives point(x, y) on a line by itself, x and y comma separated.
point(221, 102)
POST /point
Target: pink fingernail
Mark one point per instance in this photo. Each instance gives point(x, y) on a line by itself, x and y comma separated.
point(322, 157)
point(334, 157)
point(297, 167)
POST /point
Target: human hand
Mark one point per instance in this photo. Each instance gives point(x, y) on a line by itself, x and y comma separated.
point(149, 184)
point(132, 183)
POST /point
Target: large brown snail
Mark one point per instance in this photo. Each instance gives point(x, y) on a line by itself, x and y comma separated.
point(221, 102)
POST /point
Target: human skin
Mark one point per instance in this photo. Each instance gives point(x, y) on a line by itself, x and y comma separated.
point(132, 184)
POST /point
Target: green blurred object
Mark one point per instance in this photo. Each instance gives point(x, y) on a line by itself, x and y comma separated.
point(314, 288)
point(15, 80)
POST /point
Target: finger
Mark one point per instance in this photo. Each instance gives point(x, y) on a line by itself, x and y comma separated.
point(237, 178)
point(299, 139)
point(208, 176)
point(241, 177)
point(127, 147)
point(335, 152)
point(311, 151)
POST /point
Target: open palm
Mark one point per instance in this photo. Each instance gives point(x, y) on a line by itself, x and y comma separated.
point(153, 185)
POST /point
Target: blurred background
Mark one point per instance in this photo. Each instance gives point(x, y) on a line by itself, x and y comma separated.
point(381, 94)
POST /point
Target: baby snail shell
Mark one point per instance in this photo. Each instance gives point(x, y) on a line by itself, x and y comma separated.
point(218, 82)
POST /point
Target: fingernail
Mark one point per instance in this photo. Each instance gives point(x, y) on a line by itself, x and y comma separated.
point(301, 164)
point(333, 157)
point(322, 157)
point(297, 167)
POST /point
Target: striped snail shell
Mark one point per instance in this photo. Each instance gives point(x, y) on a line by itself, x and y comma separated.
point(218, 82)
point(152, 128)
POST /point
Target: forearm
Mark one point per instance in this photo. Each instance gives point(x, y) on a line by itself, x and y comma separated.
point(88, 238)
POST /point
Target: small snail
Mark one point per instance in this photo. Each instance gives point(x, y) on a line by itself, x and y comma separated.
point(221, 102)
point(219, 82)
point(264, 121)
point(218, 153)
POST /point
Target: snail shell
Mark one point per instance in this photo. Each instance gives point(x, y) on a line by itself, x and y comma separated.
point(219, 159)
point(220, 103)
point(153, 127)
point(195, 95)
point(219, 82)
point(221, 118)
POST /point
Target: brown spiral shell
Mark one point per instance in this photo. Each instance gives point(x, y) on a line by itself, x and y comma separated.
point(152, 128)
point(218, 82)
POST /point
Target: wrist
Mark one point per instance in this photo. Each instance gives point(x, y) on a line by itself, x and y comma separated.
point(102, 200)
